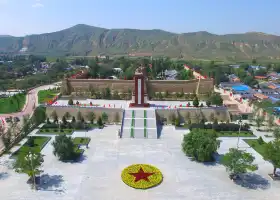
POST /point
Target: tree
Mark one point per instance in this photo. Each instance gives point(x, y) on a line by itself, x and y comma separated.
point(7, 138)
point(79, 116)
point(200, 145)
point(67, 115)
point(117, 117)
point(272, 153)
point(116, 95)
point(91, 117)
point(104, 117)
point(73, 119)
point(107, 93)
point(70, 102)
point(276, 133)
point(29, 163)
point(208, 102)
point(64, 121)
point(39, 116)
point(54, 116)
point(64, 148)
point(238, 161)
point(212, 117)
point(259, 120)
point(195, 102)
point(26, 125)
point(99, 122)
point(270, 122)
point(216, 99)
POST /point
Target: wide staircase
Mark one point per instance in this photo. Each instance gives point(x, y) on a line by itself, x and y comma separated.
point(139, 123)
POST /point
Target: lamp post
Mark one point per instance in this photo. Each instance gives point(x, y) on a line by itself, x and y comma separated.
point(29, 157)
point(240, 123)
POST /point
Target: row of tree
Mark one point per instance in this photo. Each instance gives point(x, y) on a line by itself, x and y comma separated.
point(201, 146)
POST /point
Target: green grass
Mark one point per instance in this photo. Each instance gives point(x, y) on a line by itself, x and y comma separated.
point(39, 143)
point(81, 140)
point(145, 132)
point(46, 95)
point(132, 132)
point(133, 114)
point(56, 131)
point(12, 104)
point(260, 148)
point(145, 114)
point(235, 134)
point(132, 122)
point(145, 123)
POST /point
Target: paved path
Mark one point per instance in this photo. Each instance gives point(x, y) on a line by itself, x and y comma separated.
point(31, 102)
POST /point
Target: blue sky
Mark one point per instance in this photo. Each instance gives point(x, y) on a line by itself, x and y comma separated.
point(21, 17)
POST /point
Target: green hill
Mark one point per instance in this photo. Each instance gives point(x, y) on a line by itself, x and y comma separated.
point(87, 40)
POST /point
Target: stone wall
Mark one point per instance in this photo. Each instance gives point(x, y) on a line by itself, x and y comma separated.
point(84, 84)
point(61, 110)
point(220, 113)
point(188, 86)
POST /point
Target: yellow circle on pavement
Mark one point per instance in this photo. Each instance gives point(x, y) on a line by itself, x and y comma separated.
point(141, 176)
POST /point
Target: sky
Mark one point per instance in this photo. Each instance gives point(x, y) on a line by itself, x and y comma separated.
point(24, 17)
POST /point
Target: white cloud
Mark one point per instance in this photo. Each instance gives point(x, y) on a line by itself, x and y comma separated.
point(38, 4)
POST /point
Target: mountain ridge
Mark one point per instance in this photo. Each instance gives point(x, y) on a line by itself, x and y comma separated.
point(84, 40)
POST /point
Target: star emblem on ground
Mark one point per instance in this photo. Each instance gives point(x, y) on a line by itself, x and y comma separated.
point(141, 176)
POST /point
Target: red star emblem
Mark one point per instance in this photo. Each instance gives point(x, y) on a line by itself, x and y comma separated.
point(141, 175)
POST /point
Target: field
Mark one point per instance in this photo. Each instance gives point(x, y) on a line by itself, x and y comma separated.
point(12, 104)
point(46, 95)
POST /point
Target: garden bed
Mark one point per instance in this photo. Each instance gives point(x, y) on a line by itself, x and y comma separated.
point(39, 143)
point(235, 134)
point(260, 148)
point(81, 140)
point(46, 95)
point(56, 131)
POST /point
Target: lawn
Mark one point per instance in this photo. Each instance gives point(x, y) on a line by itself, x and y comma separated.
point(260, 148)
point(235, 134)
point(56, 131)
point(46, 95)
point(12, 104)
point(81, 140)
point(37, 146)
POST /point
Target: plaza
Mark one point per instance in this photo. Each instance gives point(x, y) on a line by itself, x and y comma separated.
point(98, 174)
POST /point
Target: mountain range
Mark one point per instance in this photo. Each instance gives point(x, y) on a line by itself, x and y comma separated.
point(85, 40)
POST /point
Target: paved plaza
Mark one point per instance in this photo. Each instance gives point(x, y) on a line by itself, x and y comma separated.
point(98, 175)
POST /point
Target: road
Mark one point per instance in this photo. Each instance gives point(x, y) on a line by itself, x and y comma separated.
point(31, 102)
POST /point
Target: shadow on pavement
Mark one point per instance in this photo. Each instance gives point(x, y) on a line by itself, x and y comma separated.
point(4, 175)
point(50, 183)
point(253, 181)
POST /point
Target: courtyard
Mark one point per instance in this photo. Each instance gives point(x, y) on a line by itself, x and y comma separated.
point(98, 174)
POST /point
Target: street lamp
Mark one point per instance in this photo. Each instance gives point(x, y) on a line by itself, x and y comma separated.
point(29, 157)
point(240, 123)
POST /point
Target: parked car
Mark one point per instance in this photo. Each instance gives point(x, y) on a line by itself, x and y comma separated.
point(8, 119)
point(16, 119)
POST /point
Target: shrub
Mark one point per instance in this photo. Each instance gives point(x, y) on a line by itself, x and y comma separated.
point(70, 102)
point(194, 144)
point(260, 140)
point(46, 130)
point(55, 130)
